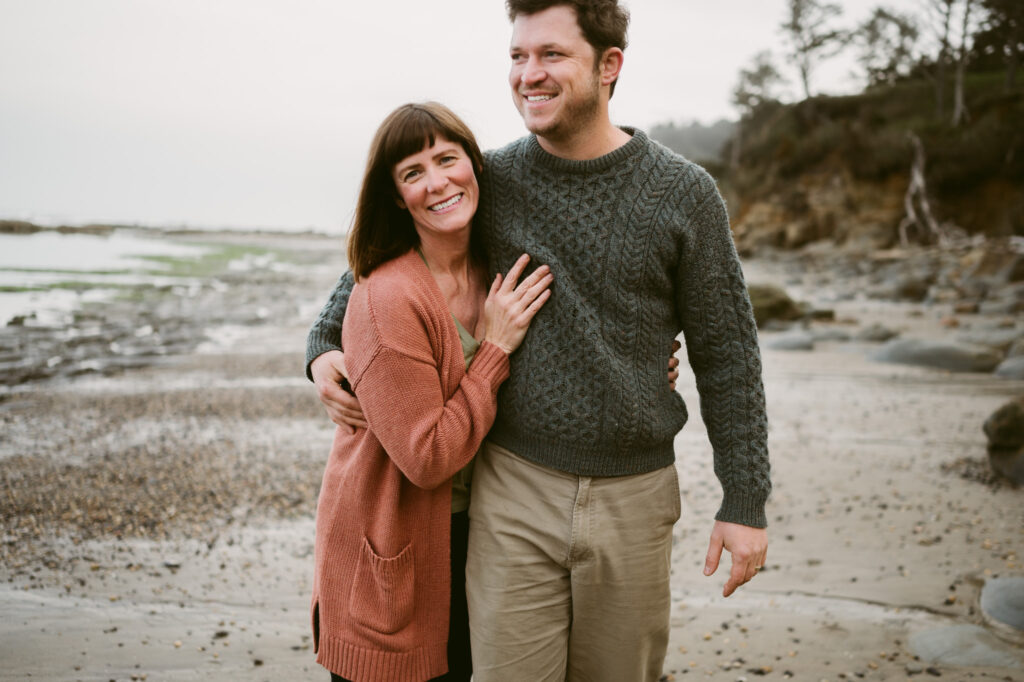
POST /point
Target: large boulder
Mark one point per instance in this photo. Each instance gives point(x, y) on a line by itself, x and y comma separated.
point(1005, 432)
point(772, 303)
point(953, 357)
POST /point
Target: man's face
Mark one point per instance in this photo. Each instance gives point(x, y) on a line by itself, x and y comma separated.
point(554, 82)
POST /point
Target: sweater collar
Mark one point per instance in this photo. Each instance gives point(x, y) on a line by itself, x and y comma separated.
point(536, 154)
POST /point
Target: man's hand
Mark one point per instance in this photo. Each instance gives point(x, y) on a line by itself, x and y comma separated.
point(328, 369)
point(749, 549)
point(673, 365)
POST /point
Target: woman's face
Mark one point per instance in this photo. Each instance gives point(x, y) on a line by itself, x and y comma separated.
point(438, 187)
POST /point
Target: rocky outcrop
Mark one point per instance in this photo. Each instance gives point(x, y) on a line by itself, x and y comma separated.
point(830, 206)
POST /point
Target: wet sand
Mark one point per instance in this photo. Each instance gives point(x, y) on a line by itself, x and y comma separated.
point(158, 521)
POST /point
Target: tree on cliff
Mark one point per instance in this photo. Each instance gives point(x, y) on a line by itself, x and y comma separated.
point(754, 88)
point(939, 19)
point(886, 41)
point(959, 107)
point(756, 84)
point(1002, 35)
point(810, 36)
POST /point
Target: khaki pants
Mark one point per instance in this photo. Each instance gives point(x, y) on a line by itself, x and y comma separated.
point(568, 576)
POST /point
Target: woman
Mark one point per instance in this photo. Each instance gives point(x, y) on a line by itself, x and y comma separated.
point(391, 522)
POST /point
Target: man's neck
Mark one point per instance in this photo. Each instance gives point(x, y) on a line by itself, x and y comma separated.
point(588, 143)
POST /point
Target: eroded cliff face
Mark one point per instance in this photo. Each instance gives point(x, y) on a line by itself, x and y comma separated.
point(828, 205)
point(833, 205)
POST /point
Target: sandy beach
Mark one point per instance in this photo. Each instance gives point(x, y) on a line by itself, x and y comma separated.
point(158, 514)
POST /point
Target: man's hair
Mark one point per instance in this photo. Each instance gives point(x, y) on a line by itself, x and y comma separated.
point(603, 22)
point(381, 230)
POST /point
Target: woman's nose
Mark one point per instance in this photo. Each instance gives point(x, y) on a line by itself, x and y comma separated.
point(437, 179)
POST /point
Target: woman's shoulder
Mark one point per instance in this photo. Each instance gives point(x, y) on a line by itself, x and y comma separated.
point(404, 279)
point(398, 303)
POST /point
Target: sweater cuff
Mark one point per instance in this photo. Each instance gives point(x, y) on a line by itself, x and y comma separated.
point(318, 343)
point(744, 509)
point(490, 362)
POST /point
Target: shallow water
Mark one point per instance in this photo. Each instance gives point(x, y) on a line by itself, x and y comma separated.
point(100, 263)
point(46, 251)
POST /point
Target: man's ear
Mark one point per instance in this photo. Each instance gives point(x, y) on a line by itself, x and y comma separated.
point(611, 65)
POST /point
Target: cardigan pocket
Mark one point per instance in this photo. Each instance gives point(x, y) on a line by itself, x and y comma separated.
point(382, 590)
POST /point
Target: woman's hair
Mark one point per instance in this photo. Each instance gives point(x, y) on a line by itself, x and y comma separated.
point(381, 230)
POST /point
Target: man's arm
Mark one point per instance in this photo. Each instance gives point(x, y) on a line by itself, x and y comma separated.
point(325, 334)
point(325, 361)
point(721, 342)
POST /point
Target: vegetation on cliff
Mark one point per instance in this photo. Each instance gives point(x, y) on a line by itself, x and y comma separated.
point(931, 149)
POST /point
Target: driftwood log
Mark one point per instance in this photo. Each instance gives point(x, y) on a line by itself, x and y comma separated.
point(919, 224)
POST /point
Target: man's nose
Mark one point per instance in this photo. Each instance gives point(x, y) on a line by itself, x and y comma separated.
point(533, 73)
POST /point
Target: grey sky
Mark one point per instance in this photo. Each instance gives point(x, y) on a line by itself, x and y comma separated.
point(258, 113)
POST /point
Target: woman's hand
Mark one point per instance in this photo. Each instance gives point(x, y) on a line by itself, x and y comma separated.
point(509, 309)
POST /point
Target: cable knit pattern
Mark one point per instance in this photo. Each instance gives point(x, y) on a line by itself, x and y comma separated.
point(325, 333)
point(381, 581)
point(640, 246)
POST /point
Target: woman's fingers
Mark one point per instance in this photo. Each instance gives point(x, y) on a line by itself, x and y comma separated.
point(495, 285)
point(532, 309)
point(534, 277)
point(530, 293)
point(517, 269)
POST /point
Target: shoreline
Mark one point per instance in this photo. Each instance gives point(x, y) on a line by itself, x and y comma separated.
point(877, 537)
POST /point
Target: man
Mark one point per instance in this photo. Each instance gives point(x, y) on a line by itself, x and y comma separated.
point(575, 493)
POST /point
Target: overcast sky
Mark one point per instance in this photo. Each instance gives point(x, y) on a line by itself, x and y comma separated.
point(258, 113)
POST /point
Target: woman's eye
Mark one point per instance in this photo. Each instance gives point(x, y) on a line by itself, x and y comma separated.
point(411, 175)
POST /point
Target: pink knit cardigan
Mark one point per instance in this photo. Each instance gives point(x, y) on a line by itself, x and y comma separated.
point(382, 575)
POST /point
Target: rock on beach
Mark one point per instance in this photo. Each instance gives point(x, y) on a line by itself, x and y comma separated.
point(947, 355)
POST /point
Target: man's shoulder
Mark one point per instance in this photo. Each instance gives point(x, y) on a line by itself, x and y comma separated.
point(672, 161)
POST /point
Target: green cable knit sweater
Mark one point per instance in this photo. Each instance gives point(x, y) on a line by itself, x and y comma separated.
point(640, 246)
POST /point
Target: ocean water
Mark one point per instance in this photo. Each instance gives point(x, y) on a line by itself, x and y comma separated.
point(34, 266)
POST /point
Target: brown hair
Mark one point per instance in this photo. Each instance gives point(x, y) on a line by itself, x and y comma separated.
point(381, 230)
point(603, 22)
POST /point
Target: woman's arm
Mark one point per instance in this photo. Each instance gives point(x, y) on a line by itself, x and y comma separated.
point(401, 386)
point(427, 437)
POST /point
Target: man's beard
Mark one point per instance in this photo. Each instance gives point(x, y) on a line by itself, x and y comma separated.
point(574, 116)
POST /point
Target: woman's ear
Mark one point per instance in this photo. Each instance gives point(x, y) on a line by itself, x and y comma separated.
point(401, 204)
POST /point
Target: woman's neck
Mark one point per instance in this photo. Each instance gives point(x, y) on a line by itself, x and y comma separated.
point(460, 280)
point(447, 257)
